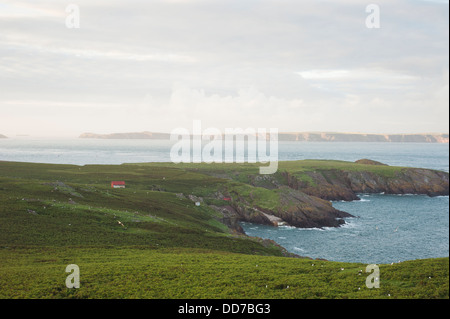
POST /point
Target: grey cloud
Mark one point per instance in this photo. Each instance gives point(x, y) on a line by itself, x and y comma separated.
point(127, 51)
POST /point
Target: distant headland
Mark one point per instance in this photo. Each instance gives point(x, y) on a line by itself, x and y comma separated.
point(139, 135)
point(3, 136)
point(302, 137)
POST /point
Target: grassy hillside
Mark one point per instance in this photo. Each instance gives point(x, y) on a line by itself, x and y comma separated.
point(150, 240)
point(61, 205)
point(130, 272)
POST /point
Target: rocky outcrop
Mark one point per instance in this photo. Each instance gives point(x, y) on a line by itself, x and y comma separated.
point(302, 210)
point(328, 185)
point(408, 181)
point(345, 185)
point(230, 218)
point(302, 198)
point(295, 209)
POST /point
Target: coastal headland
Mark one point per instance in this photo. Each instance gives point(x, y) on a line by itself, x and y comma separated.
point(175, 227)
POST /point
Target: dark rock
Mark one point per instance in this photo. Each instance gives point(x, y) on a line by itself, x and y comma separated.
point(345, 185)
point(305, 198)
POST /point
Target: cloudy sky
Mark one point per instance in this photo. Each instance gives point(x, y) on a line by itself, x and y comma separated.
point(155, 65)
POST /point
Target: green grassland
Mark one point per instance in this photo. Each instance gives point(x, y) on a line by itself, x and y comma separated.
point(150, 240)
point(131, 272)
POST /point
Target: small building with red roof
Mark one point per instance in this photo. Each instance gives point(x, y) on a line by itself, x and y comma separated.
point(118, 184)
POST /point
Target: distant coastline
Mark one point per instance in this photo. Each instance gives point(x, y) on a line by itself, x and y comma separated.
point(3, 136)
point(138, 135)
point(302, 137)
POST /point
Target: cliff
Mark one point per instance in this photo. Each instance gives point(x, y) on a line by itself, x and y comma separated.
point(345, 185)
point(293, 209)
point(361, 137)
point(300, 193)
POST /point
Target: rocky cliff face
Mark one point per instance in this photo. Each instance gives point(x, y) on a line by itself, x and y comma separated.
point(345, 185)
point(296, 209)
point(359, 137)
point(302, 197)
point(318, 214)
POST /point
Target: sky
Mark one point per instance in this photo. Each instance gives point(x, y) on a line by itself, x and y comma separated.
point(158, 65)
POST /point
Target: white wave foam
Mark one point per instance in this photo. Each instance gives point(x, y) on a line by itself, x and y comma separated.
point(314, 228)
point(286, 227)
point(350, 225)
point(327, 229)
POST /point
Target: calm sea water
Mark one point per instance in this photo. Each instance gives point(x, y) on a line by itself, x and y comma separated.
point(96, 151)
point(388, 228)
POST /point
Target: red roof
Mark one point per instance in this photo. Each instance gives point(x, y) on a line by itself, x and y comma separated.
point(118, 183)
point(227, 198)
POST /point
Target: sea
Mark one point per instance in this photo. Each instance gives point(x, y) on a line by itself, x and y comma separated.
point(385, 229)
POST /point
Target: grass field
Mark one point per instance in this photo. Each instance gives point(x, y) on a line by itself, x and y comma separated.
point(140, 272)
point(150, 240)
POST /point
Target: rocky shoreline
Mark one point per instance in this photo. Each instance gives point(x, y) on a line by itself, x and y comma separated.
point(305, 199)
point(344, 185)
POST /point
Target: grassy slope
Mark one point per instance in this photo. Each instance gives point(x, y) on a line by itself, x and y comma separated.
point(55, 215)
point(127, 272)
